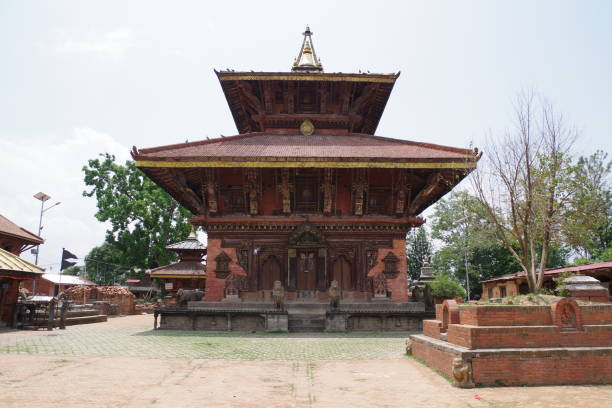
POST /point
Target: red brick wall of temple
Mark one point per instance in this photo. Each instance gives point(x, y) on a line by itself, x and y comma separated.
point(399, 284)
point(215, 287)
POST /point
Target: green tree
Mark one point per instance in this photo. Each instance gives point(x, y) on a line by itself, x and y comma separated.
point(467, 241)
point(143, 218)
point(76, 270)
point(103, 265)
point(587, 219)
point(417, 247)
point(524, 182)
point(445, 287)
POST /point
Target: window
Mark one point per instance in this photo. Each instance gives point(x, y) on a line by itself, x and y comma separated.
point(490, 293)
point(306, 193)
point(502, 291)
point(233, 200)
point(378, 200)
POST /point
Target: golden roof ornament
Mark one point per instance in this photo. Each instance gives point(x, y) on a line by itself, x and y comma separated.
point(307, 128)
point(307, 60)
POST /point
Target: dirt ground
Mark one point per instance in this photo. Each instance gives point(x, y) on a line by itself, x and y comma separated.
point(35, 380)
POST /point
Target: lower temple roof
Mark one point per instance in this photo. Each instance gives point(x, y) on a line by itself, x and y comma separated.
point(319, 147)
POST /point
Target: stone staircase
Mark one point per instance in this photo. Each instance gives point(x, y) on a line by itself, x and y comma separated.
point(78, 314)
point(306, 317)
point(82, 314)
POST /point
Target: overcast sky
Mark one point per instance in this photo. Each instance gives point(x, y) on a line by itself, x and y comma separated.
point(80, 78)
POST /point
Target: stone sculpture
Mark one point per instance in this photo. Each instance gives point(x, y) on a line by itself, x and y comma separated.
point(409, 347)
point(183, 296)
point(334, 294)
point(278, 294)
point(462, 373)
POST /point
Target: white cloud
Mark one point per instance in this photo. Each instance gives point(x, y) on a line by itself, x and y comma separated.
point(54, 167)
point(114, 44)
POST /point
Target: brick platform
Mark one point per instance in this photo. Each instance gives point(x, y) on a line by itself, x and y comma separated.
point(564, 343)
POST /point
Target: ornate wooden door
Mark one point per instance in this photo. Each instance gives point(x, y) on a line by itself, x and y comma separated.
point(307, 270)
point(342, 272)
point(270, 272)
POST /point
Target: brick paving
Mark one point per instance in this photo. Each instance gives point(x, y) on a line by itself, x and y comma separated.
point(123, 363)
point(132, 336)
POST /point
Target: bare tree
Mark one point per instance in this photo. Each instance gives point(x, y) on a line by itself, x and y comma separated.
point(523, 183)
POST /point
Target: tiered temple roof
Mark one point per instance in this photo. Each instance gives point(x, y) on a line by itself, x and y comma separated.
point(306, 119)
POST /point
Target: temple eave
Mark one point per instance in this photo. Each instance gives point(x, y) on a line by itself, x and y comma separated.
point(314, 162)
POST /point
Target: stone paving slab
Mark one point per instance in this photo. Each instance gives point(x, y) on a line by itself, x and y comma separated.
point(133, 336)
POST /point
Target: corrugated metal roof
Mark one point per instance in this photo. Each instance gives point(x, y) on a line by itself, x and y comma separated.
point(189, 243)
point(299, 146)
point(8, 227)
point(12, 263)
point(575, 268)
point(186, 269)
point(67, 279)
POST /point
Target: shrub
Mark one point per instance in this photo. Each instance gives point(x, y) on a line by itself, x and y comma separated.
point(444, 287)
point(561, 289)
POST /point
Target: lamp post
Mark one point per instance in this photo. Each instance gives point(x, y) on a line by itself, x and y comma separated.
point(43, 198)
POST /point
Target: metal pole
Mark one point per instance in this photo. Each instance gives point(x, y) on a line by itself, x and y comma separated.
point(42, 203)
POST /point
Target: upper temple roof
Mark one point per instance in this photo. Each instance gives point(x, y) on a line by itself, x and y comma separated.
point(283, 101)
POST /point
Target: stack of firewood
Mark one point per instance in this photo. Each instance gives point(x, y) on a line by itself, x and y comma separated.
point(112, 291)
point(79, 293)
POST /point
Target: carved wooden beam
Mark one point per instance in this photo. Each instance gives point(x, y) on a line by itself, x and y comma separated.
point(252, 101)
point(432, 184)
point(364, 99)
point(179, 182)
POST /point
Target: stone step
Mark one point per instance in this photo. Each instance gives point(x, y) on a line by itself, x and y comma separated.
point(71, 321)
point(82, 313)
point(306, 323)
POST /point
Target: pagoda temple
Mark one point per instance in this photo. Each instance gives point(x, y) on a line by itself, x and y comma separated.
point(305, 193)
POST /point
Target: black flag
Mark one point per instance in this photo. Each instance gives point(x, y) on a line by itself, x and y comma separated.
point(66, 255)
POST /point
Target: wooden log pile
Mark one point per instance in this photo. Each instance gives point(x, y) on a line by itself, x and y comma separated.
point(80, 293)
point(123, 298)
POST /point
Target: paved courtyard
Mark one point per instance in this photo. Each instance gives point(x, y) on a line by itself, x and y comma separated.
point(122, 363)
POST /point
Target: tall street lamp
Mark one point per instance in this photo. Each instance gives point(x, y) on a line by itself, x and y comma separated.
point(43, 198)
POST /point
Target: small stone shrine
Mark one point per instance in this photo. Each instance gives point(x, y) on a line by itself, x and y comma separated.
point(561, 343)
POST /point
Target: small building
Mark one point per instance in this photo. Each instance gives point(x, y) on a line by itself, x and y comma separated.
point(142, 288)
point(13, 271)
point(16, 239)
point(51, 284)
point(189, 272)
point(516, 283)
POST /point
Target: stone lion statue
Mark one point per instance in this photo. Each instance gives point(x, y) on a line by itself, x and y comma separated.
point(409, 347)
point(278, 294)
point(183, 296)
point(462, 372)
point(334, 294)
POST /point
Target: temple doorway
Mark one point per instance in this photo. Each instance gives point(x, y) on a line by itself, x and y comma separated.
point(270, 272)
point(342, 273)
point(307, 270)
